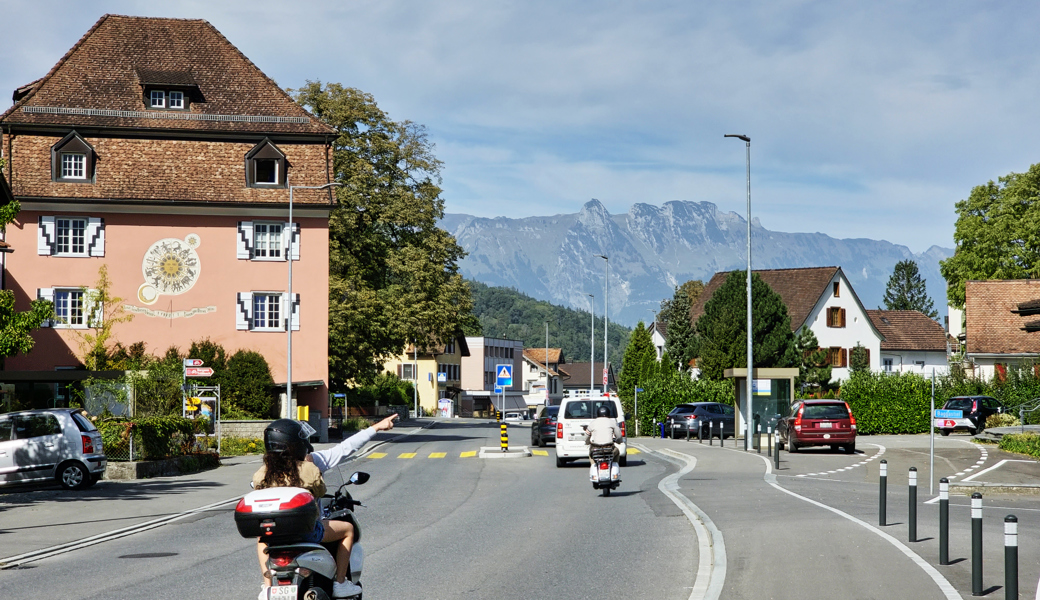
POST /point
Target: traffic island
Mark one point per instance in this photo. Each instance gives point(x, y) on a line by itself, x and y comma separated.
point(510, 452)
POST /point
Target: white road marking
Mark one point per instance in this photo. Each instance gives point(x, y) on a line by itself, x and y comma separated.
point(859, 464)
point(996, 466)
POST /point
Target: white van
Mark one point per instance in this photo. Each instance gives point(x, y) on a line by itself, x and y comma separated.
point(575, 412)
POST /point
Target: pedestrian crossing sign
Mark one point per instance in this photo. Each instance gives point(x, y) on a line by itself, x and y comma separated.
point(504, 375)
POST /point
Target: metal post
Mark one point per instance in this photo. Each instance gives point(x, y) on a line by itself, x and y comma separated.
point(636, 409)
point(606, 281)
point(722, 436)
point(758, 435)
point(976, 544)
point(944, 521)
point(1011, 557)
point(505, 438)
point(700, 436)
point(882, 492)
point(592, 346)
point(912, 522)
point(688, 422)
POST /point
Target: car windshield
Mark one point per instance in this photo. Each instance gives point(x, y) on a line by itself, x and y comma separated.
point(959, 404)
point(727, 409)
point(825, 411)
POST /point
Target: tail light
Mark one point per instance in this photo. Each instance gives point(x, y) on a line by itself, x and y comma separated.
point(798, 419)
point(622, 429)
point(243, 507)
point(546, 422)
point(88, 444)
point(281, 559)
point(974, 406)
point(559, 431)
point(604, 465)
point(852, 419)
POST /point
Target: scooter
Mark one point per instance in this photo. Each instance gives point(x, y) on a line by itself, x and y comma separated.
point(604, 473)
point(282, 516)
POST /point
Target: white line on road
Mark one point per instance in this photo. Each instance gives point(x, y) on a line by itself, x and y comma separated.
point(711, 548)
point(996, 466)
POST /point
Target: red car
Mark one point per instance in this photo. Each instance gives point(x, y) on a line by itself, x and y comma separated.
point(818, 423)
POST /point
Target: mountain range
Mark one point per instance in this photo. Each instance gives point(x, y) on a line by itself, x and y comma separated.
point(652, 249)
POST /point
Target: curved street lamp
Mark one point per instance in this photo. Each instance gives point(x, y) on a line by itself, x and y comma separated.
point(750, 364)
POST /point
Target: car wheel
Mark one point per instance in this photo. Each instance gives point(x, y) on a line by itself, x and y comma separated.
point(560, 462)
point(834, 447)
point(944, 432)
point(850, 448)
point(541, 442)
point(973, 431)
point(73, 476)
point(623, 461)
point(791, 447)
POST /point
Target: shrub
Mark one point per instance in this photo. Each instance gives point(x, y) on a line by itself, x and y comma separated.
point(236, 446)
point(248, 384)
point(1021, 443)
point(154, 437)
point(1002, 420)
point(354, 424)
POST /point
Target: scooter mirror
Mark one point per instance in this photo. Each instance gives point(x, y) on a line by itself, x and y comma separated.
point(358, 477)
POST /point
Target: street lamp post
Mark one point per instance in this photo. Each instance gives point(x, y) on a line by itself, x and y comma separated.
point(289, 406)
point(606, 281)
point(592, 345)
point(750, 340)
point(547, 363)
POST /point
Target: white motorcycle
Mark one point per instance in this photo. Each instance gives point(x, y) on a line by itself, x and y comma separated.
point(605, 472)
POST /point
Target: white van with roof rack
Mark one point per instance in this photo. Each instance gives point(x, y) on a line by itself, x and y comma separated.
point(576, 411)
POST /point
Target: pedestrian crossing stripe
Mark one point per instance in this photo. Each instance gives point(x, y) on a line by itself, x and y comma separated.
point(438, 454)
point(539, 453)
point(406, 455)
point(469, 454)
point(377, 455)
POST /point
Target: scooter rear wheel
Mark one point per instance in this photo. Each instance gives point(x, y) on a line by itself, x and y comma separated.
point(317, 594)
point(606, 490)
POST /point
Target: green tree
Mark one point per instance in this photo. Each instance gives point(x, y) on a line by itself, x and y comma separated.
point(680, 340)
point(997, 235)
point(813, 370)
point(247, 384)
point(393, 274)
point(639, 354)
point(722, 329)
point(906, 290)
point(859, 358)
point(693, 288)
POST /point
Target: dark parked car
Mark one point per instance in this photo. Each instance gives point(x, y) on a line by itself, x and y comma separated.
point(712, 418)
point(974, 410)
point(818, 423)
point(543, 430)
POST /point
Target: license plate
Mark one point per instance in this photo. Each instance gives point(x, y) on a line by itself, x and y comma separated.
point(826, 436)
point(827, 425)
point(576, 436)
point(283, 592)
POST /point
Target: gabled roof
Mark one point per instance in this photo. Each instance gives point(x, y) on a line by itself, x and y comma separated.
point(436, 349)
point(908, 330)
point(993, 327)
point(541, 366)
point(800, 290)
point(100, 82)
point(538, 355)
point(579, 373)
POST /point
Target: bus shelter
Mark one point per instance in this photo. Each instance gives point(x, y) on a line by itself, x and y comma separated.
point(771, 395)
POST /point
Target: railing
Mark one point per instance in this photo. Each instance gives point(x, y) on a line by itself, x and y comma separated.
point(1022, 413)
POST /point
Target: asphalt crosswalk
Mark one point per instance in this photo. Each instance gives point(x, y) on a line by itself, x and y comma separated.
point(465, 454)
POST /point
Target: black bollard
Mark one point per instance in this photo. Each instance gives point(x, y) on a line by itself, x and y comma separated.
point(944, 521)
point(882, 492)
point(758, 438)
point(700, 433)
point(976, 544)
point(912, 521)
point(722, 436)
point(688, 423)
point(711, 433)
point(769, 438)
point(1011, 557)
point(776, 450)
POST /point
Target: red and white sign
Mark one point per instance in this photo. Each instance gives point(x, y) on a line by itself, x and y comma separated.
point(198, 372)
point(193, 362)
point(604, 377)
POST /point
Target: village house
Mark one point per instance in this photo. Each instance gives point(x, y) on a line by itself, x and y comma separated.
point(543, 376)
point(913, 342)
point(156, 148)
point(1002, 319)
point(436, 372)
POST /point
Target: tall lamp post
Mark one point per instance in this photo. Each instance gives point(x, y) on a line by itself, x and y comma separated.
point(547, 363)
point(592, 345)
point(606, 281)
point(289, 405)
point(750, 362)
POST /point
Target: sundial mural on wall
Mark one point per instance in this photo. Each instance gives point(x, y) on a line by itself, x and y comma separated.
point(170, 267)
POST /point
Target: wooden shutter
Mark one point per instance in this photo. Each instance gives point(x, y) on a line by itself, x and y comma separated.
point(244, 311)
point(48, 295)
point(844, 357)
point(95, 236)
point(244, 240)
point(842, 317)
point(45, 236)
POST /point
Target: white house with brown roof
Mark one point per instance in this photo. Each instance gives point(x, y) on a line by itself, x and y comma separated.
point(822, 299)
point(913, 342)
point(1002, 319)
point(542, 378)
point(659, 337)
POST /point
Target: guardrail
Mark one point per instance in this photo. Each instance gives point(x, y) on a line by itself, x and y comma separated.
point(1022, 413)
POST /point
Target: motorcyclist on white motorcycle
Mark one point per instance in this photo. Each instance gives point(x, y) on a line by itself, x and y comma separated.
point(604, 431)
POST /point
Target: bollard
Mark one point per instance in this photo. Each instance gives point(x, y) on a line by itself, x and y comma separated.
point(944, 521)
point(1011, 557)
point(769, 438)
point(722, 436)
point(882, 492)
point(758, 438)
point(662, 431)
point(711, 433)
point(976, 544)
point(688, 424)
point(505, 438)
point(912, 521)
point(700, 436)
point(776, 450)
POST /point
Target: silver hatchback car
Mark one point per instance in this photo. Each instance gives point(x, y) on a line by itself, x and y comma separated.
point(53, 444)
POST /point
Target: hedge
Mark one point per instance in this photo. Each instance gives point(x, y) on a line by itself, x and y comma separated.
point(1021, 443)
point(154, 437)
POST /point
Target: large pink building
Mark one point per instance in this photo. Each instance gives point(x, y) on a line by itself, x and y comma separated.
point(156, 148)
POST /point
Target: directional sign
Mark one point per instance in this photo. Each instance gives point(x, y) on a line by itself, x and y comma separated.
point(504, 375)
point(193, 362)
point(198, 372)
point(949, 414)
point(639, 389)
point(604, 376)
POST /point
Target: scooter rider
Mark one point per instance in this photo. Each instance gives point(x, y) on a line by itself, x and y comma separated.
point(289, 460)
point(604, 431)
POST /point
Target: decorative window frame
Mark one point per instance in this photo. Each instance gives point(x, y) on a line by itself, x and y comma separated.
point(73, 145)
point(47, 237)
point(266, 151)
point(245, 241)
point(245, 319)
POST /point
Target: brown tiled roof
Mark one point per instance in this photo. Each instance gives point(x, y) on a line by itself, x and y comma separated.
point(579, 373)
point(541, 366)
point(435, 349)
point(99, 82)
point(908, 330)
point(800, 290)
point(992, 327)
point(538, 355)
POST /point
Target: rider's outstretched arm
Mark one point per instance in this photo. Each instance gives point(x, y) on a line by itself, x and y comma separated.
point(326, 459)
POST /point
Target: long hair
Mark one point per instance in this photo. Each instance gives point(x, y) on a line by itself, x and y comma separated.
point(282, 469)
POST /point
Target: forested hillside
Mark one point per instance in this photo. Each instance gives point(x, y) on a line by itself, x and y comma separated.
point(504, 312)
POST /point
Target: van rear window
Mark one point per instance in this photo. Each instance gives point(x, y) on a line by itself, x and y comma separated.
point(587, 409)
point(959, 404)
point(825, 411)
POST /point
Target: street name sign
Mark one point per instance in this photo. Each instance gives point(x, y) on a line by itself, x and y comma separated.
point(198, 371)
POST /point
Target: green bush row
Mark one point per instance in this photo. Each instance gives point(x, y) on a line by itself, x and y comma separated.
point(1021, 443)
point(154, 437)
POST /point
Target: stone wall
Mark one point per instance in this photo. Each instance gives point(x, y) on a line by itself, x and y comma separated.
point(243, 429)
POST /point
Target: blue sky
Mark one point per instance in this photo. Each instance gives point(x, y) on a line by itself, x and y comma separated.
point(866, 119)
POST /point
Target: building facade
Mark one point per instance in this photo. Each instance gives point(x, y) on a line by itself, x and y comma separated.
point(436, 372)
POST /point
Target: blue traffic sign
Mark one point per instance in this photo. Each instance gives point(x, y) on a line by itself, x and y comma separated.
point(949, 414)
point(498, 389)
point(504, 375)
point(639, 389)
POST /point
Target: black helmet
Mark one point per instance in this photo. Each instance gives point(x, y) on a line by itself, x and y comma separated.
point(286, 434)
point(602, 411)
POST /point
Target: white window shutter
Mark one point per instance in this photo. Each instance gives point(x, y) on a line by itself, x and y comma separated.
point(244, 311)
point(245, 240)
point(45, 236)
point(295, 236)
point(294, 318)
point(95, 236)
point(48, 295)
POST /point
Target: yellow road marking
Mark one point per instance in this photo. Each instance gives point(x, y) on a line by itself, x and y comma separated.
point(633, 451)
point(437, 455)
point(406, 455)
point(377, 455)
point(539, 453)
point(469, 454)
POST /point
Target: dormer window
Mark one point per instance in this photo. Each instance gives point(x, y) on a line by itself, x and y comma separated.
point(72, 160)
point(176, 99)
point(265, 166)
point(158, 99)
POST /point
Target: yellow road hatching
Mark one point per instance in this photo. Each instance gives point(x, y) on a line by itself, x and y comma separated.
point(438, 454)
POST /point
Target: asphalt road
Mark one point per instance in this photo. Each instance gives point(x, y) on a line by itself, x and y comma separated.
point(689, 521)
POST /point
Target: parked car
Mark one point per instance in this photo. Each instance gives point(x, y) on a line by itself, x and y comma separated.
point(58, 444)
point(543, 430)
point(713, 418)
point(514, 416)
point(975, 411)
point(576, 412)
point(818, 423)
